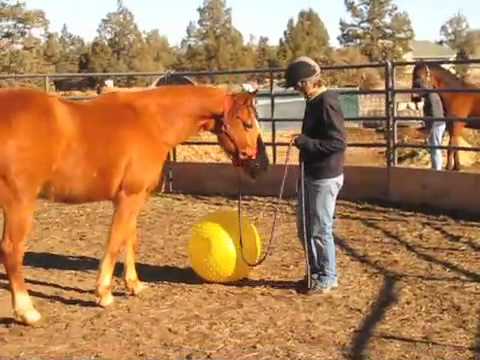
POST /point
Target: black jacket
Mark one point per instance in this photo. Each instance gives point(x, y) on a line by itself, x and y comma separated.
point(323, 141)
point(432, 107)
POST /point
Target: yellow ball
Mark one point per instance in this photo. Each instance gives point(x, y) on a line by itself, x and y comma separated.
point(214, 248)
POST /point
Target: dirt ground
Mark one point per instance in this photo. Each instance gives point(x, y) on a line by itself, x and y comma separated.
point(409, 289)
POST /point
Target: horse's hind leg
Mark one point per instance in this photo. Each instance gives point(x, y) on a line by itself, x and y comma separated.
point(450, 154)
point(127, 207)
point(457, 130)
point(18, 215)
point(449, 164)
point(133, 285)
point(455, 164)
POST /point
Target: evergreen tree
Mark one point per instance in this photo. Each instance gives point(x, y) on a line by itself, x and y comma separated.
point(72, 47)
point(308, 36)
point(454, 34)
point(454, 31)
point(52, 51)
point(20, 41)
point(120, 33)
point(213, 43)
point(377, 28)
point(160, 53)
point(97, 59)
point(265, 55)
point(471, 44)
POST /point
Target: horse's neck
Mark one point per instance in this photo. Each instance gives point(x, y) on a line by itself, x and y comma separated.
point(442, 83)
point(183, 113)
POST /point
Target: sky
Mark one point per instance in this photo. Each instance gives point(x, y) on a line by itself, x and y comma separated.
point(251, 17)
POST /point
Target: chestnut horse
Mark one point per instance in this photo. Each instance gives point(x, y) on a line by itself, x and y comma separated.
point(112, 148)
point(456, 104)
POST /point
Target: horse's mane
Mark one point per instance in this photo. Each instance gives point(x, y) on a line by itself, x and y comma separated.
point(452, 80)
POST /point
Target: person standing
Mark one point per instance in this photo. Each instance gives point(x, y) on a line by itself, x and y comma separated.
point(433, 107)
point(322, 145)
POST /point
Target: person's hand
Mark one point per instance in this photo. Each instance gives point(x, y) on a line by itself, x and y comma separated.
point(293, 138)
point(297, 139)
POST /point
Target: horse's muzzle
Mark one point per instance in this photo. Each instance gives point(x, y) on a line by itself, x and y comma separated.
point(258, 165)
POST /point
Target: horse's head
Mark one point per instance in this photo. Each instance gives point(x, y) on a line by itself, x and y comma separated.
point(421, 79)
point(239, 135)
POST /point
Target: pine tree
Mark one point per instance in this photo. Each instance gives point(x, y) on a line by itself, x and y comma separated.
point(377, 28)
point(72, 47)
point(159, 51)
point(265, 55)
point(213, 43)
point(308, 36)
point(471, 44)
point(454, 31)
point(454, 34)
point(20, 38)
point(120, 33)
point(97, 59)
point(52, 51)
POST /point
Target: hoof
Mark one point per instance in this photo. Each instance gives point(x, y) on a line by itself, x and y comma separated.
point(105, 300)
point(136, 287)
point(28, 317)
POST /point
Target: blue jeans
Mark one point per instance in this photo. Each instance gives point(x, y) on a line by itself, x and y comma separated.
point(320, 200)
point(435, 139)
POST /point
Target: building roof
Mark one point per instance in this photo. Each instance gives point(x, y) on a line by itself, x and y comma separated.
point(424, 49)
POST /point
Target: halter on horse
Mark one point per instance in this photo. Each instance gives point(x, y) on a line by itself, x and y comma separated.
point(456, 104)
point(110, 148)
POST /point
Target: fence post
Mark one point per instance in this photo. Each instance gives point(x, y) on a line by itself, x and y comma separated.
point(389, 113)
point(46, 81)
point(394, 115)
point(272, 119)
point(169, 173)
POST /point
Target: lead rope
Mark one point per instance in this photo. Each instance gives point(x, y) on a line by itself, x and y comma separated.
point(280, 197)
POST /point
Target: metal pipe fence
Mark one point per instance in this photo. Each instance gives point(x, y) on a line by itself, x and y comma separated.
point(274, 96)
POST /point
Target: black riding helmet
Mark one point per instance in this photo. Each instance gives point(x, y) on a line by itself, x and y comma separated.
point(301, 69)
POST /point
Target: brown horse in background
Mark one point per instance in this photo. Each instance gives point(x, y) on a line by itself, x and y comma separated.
point(110, 148)
point(456, 104)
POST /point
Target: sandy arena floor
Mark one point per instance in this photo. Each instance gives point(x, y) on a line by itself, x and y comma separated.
point(409, 289)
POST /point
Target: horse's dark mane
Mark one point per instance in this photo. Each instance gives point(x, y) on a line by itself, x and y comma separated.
point(452, 79)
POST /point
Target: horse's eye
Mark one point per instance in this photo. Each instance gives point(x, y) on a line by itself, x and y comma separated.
point(248, 126)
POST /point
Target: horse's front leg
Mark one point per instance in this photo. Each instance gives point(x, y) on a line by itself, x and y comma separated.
point(449, 165)
point(17, 223)
point(127, 207)
point(132, 283)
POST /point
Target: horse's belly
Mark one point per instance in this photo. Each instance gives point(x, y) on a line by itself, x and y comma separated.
point(88, 184)
point(83, 172)
point(87, 187)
